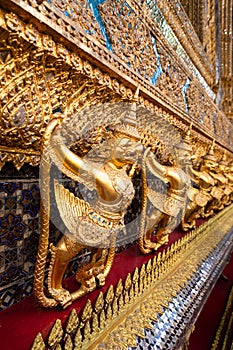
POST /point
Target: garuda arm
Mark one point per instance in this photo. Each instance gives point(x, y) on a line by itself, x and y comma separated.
point(82, 168)
point(52, 141)
point(155, 167)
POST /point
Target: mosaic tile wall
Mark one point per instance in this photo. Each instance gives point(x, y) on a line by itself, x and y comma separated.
point(19, 232)
point(19, 224)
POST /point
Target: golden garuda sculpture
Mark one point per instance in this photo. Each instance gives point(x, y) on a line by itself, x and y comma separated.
point(103, 164)
point(169, 207)
point(201, 194)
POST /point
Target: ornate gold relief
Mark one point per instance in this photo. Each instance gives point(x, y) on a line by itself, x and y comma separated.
point(39, 343)
point(131, 38)
point(97, 225)
point(37, 69)
point(35, 83)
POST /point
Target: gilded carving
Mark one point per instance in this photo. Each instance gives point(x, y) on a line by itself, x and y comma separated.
point(38, 343)
point(73, 322)
point(202, 195)
point(97, 226)
point(172, 78)
point(80, 55)
point(168, 206)
point(45, 77)
point(104, 158)
point(130, 37)
point(98, 223)
point(38, 90)
point(175, 16)
point(56, 333)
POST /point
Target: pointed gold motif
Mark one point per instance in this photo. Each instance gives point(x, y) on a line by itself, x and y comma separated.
point(78, 339)
point(115, 309)
point(142, 271)
point(99, 302)
point(56, 333)
point(87, 331)
point(119, 288)
point(73, 322)
point(38, 343)
point(102, 320)
point(128, 282)
point(110, 295)
point(68, 343)
point(132, 293)
point(109, 313)
point(95, 323)
point(121, 302)
point(158, 258)
point(135, 275)
point(58, 347)
point(87, 311)
point(148, 266)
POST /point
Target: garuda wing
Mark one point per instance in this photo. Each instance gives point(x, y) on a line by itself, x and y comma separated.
point(86, 226)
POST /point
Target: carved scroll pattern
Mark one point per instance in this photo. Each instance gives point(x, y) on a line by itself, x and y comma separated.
point(31, 61)
point(130, 37)
point(33, 87)
point(78, 13)
point(127, 34)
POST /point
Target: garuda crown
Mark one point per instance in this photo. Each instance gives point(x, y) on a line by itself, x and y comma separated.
point(128, 125)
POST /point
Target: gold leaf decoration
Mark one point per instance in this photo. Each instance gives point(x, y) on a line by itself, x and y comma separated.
point(56, 333)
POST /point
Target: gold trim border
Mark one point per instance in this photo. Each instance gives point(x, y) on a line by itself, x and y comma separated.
point(225, 327)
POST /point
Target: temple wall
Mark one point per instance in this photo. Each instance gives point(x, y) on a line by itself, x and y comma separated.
point(48, 51)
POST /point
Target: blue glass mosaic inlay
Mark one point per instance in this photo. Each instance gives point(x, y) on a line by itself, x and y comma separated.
point(94, 7)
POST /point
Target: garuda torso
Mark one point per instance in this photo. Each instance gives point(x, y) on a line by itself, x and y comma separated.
point(94, 222)
point(174, 199)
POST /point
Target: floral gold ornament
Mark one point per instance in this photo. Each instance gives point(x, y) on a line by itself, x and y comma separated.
point(201, 192)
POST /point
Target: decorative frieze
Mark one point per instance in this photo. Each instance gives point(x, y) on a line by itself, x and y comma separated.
point(115, 47)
